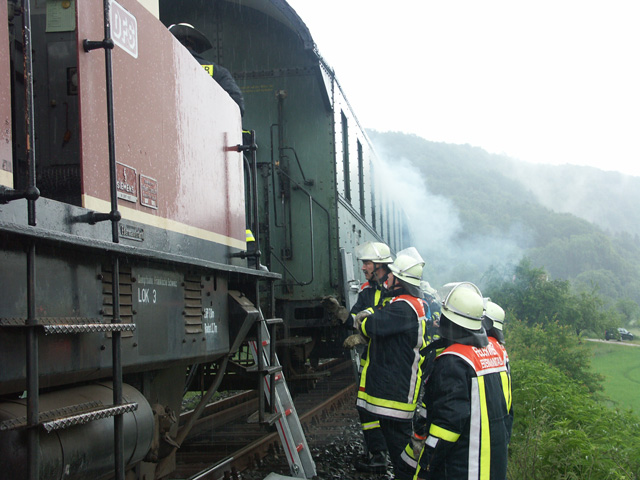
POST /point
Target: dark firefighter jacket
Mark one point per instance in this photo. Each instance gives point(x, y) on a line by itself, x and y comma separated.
point(224, 79)
point(391, 376)
point(369, 296)
point(468, 400)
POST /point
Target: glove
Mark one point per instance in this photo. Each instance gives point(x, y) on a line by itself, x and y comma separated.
point(342, 314)
point(337, 312)
point(330, 303)
point(353, 340)
point(417, 444)
point(360, 316)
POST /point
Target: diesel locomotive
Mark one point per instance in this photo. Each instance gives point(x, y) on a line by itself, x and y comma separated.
point(127, 188)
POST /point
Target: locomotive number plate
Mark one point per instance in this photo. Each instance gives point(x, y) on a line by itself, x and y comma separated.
point(124, 29)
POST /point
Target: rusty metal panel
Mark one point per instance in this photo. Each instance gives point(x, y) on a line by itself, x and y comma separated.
point(6, 157)
point(173, 125)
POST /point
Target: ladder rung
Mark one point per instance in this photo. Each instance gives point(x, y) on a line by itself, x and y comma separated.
point(83, 418)
point(89, 328)
point(273, 321)
point(269, 418)
point(268, 370)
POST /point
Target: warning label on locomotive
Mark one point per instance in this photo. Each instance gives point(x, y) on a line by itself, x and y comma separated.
point(148, 191)
point(124, 29)
point(126, 182)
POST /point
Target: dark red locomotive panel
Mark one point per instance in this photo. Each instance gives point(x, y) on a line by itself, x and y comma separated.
point(174, 172)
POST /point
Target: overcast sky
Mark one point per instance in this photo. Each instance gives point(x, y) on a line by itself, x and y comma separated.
point(545, 81)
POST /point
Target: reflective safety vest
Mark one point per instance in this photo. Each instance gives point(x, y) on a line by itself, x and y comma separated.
point(391, 374)
point(468, 400)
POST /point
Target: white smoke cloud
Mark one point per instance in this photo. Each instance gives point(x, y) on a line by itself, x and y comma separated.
point(451, 254)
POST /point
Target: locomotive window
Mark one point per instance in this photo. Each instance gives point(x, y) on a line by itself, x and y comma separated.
point(345, 157)
point(361, 179)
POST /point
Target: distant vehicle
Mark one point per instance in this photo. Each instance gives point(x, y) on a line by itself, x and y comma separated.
point(625, 334)
point(621, 334)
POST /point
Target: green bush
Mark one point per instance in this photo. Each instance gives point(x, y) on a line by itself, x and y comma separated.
point(561, 432)
point(556, 345)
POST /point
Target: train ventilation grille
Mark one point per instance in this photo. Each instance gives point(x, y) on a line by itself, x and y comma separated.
point(193, 304)
point(126, 296)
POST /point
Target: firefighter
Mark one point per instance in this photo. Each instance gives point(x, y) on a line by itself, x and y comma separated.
point(493, 322)
point(375, 258)
point(197, 43)
point(391, 374)
point(433, 319)
point(464, 434)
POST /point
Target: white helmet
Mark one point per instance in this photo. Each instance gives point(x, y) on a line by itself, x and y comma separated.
point(494, 312)
point(376, 252)
point(428, 289)
point(408, 266)
point(464, 305)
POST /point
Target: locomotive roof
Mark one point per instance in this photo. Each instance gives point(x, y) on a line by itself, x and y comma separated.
point(281, 11)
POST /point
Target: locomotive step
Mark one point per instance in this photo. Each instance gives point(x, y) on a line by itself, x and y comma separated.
point(57, 325)
point(61, 418)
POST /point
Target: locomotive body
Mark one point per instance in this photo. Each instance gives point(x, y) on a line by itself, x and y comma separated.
point(320, 195)
point(124, 200)
point(151, 213)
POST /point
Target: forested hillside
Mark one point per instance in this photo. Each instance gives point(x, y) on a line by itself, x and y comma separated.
point(479, 211)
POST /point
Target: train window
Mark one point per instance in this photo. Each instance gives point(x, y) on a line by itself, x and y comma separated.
point(373, 194)
point(361, 179)
point(345, 157)
point(389, 214)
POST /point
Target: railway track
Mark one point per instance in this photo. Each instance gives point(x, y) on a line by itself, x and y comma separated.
point(224, 442)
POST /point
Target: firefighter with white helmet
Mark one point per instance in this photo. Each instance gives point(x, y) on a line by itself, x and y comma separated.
point(391, 375)
point(375, 258)
point(467, 396)
point(493, 320)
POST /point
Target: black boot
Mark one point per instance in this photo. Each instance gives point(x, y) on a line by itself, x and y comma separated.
point(376, 463)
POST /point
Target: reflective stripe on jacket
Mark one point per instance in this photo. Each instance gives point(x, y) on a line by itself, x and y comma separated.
point(391, 374)
point(467, 398)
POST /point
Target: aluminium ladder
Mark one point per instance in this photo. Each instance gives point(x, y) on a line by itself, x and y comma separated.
point(284, 413)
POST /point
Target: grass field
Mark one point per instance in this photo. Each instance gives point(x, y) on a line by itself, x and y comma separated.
point(620, 364)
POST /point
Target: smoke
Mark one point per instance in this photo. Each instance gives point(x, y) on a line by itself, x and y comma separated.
point(436, 230)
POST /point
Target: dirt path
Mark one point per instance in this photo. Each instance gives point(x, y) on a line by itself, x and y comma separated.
point(613, 342)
